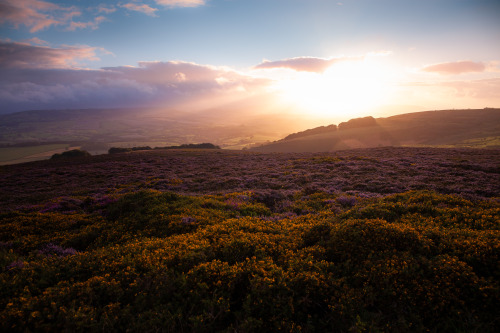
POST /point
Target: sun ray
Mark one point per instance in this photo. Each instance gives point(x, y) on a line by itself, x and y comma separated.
point(350, 87)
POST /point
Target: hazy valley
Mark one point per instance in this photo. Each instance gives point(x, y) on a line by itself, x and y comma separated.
point(35, 135)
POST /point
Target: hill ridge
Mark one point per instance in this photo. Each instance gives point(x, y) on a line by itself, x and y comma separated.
point(476, 128)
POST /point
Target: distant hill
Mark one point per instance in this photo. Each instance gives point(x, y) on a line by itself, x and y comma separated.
point(479, 128)
point(98, 129)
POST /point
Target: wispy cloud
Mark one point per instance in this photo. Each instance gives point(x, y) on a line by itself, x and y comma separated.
point(37, 15)
point(181, 3)
point(304, 64)
point(36, 41)
point(25, 55)
point(458, 67)
point(142, 8)
point(480, 89)
point(87, 25)
point(34, 14)
point(106, 9)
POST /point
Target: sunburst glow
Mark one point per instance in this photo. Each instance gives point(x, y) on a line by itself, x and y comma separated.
point(348, 87)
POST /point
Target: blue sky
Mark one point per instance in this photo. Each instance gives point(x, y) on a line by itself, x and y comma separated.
point(429, 53)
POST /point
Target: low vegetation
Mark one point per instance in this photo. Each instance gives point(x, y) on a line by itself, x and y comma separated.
point(19, 153)
point(117, 150)
point(280, 243)
point(71, 154)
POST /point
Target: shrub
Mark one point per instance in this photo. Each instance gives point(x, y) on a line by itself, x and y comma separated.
point(71, 154)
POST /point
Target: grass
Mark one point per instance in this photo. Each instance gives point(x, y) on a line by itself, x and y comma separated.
point(17, 153)
point(492, 141)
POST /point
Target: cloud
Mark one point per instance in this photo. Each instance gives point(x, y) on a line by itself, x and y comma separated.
point(25, 55)
point(106, 9)
point(27, 84)
point(143, 8)
point(184, 77)
point(459, 67)
point(480, 89)
point(301, 64)
point(84, 25)
point(304, 64)
point(181, 3)
point(493, 66)
point(36, 41)
point(34, 14)
point(38, 15)
point(451, 94)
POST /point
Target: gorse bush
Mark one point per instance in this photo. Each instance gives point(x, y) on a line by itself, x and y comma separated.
point(246, 261)
point(380, 240)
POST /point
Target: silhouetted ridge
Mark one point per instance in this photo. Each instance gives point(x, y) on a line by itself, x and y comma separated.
point(353, 123)
point(313, 131)
point(358, 123)
point(471, 128)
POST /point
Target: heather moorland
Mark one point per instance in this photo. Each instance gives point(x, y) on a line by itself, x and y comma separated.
point(383, 239)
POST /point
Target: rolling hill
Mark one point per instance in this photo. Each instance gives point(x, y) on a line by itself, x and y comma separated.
point(478, 128)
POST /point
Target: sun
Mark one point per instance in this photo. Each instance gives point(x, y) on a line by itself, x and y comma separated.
point(347, 88)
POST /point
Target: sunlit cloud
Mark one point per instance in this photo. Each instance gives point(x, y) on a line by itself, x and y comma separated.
point(34, 14)
point(84, 25)
point(493, 67)
point(344, 85)
point(300, 64)
point(36, 41)
point(25, 55)
point(458, 67)
point(450, 94)
point(106, 9)
point(52, 83)
point(142, 8)
point(38, 15)
point(313, 64)
point(186, 77)
point(181, 3)
point(481, 89)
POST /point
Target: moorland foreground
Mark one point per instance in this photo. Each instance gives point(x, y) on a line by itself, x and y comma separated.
point(382, 239)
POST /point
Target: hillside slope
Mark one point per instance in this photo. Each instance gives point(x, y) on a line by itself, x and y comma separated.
point(450, 128)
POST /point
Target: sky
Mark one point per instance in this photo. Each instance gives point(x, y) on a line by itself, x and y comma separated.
point(315, 58)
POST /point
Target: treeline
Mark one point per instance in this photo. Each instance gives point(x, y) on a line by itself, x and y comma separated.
point(70, 154)
point(116, 150)
point(353, 123)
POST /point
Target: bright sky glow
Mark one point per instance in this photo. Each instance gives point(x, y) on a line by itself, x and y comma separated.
point(350, 86)
point(320, 58)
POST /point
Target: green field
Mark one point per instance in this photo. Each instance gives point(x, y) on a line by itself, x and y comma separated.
point(17, 153)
